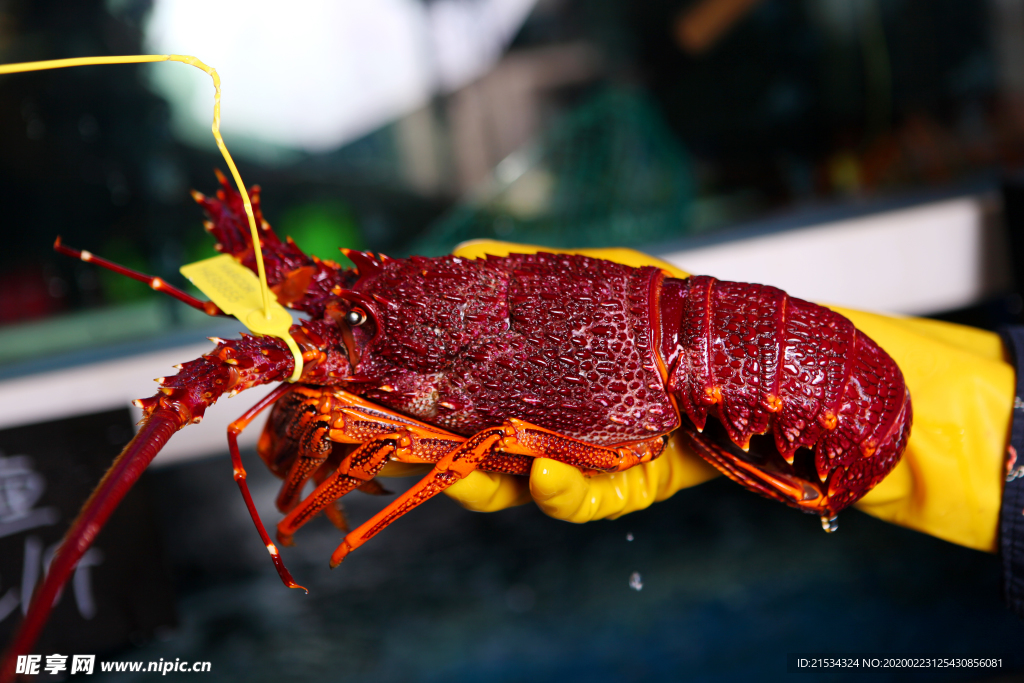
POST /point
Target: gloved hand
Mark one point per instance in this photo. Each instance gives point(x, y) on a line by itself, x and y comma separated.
point(950, 481)
point(948, 484)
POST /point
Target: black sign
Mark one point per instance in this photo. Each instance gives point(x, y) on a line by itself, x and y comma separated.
point(120, 592)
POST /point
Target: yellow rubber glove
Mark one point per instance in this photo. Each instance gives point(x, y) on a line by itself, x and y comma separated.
point(950, 481)
point(948, 484)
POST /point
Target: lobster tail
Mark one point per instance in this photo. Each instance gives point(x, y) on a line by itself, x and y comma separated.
point(155, 432)
point(760, 361)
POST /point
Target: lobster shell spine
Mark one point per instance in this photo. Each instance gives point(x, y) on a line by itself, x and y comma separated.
point(760, 360)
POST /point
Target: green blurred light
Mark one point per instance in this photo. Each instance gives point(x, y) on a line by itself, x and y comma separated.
point(118, 289)
point(321, 228)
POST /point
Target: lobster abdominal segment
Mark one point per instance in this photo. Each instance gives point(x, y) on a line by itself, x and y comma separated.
point(761, 361)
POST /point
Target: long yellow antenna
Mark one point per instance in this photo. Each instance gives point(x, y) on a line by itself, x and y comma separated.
point(185, 59)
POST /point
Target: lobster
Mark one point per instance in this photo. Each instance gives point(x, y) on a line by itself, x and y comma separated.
point(485, 364)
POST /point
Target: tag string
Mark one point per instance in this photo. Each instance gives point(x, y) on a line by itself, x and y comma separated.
point(184, 59)
point(256, 242)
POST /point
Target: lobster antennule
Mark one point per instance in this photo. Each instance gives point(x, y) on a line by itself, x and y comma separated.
point(155, 283)
point(155, 432)
point(299, 281)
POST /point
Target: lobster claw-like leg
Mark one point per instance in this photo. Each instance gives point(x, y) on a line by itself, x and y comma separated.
point(358, 469)
point(514, 437)
point(307, 422)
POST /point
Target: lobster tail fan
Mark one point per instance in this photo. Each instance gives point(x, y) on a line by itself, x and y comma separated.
point(155, 432)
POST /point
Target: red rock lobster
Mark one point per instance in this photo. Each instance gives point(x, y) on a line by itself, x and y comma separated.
point(469, 364)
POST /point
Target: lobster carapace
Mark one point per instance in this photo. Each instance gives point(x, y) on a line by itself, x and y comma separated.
point(467, 364)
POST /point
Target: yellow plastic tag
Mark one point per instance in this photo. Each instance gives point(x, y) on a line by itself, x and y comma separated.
point(236, 290)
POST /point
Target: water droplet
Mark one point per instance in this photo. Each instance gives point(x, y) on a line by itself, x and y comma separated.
point(629, 536)
point(635, 582)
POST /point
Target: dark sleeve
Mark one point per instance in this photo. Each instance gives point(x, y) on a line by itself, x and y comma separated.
point(1011, 516)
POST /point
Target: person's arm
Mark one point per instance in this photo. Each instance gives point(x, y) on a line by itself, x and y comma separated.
point(1011, 518)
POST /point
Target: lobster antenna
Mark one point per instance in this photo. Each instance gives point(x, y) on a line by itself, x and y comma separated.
point(184, 59)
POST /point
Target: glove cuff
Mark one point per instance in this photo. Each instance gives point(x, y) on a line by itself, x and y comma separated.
point(1011, 517)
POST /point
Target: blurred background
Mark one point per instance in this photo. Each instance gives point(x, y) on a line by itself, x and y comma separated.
point(408, 127)
point(862, 152)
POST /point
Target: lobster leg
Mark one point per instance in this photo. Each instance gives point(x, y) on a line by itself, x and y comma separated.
point(295, 443)
point(335, 512)
point(305, 426)
point(451, 468)
point(234, 429)
point(361, 466)
point(515, 437)
point(310, 421)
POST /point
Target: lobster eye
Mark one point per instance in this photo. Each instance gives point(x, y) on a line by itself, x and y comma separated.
point(355, 317)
